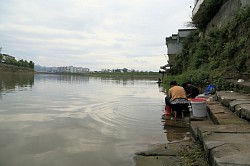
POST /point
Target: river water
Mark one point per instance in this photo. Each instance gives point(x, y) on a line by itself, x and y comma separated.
point(62, 120)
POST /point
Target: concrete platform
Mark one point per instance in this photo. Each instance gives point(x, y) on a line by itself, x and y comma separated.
point(236, 102)
point(226, 144)
point(222, 115)
point(225, 97)
point(225, 134)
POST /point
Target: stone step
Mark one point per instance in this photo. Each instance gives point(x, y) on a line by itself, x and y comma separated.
point(226, 144)
point(224, 134)
point(220, 114)
point(236, 102)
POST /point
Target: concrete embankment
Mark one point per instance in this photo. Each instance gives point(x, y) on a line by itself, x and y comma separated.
point(224, 135)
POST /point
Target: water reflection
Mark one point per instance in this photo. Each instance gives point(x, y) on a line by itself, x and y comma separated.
point(62, 78)
point(16, 81)
point(125, 80)
point(176, 129)
point(161, 88)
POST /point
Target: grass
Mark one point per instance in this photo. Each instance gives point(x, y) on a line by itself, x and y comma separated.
point(193, 155)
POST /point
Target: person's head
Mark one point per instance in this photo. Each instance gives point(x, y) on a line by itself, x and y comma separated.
point(173, 83)
point(184, 85)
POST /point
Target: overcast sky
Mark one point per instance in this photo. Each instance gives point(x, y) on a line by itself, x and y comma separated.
point(96, 34)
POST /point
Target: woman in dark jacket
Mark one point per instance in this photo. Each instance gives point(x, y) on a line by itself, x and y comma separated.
point(191, 90)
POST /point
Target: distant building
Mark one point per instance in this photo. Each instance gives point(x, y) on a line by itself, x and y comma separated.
point(72, 69)
point(6, 57)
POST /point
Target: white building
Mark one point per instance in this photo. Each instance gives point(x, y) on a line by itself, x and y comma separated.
point(174, 44)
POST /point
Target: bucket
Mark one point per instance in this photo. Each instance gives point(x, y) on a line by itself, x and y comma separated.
point(199, 107)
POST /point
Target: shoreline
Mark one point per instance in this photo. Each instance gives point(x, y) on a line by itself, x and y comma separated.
point(181, 148)
point(14, 69)
point(183, 152)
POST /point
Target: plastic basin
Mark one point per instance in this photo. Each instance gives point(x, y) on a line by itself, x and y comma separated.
point(199, 107)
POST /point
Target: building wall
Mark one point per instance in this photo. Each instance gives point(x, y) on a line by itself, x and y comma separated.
point(182, 33)
point(173, 47)
point(174, 44)
point(171, 58)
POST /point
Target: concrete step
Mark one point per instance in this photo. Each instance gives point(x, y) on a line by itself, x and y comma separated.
point(226, 144)
point(224, 133)
point(236, 102)
point(220, 114)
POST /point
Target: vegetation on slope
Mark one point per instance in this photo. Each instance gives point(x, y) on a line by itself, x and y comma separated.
point(222, 52)
point(10, 60)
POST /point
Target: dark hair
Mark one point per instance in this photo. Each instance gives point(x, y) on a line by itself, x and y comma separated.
point(173, 83)
point(185, 84)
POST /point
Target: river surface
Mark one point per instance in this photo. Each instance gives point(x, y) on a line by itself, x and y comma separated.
point(67, 120)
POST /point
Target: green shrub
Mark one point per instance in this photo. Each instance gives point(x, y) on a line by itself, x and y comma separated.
point(222, 52)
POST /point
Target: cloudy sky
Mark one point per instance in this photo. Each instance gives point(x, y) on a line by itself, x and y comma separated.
point(96, 34)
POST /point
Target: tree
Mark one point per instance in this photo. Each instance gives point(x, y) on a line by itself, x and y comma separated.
point(125, 70)
point(31, 65)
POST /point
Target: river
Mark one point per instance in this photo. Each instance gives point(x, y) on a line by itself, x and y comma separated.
point(64, 120)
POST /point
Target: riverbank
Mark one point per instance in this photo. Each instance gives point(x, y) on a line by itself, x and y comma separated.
point(10, 68)
point(224, 135)
point(181, 149)
point(131, 75)
point(180, 153)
